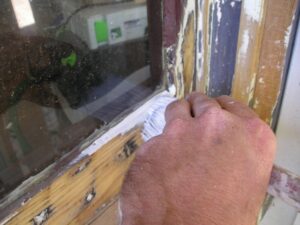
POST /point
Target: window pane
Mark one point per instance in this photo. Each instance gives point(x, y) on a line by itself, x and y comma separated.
point(66, 69)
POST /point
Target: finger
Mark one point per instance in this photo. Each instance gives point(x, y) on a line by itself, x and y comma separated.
point(178, 110)
point(235, 107)
point(201, 103)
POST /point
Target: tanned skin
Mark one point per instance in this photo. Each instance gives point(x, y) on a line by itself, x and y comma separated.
point(211, 166)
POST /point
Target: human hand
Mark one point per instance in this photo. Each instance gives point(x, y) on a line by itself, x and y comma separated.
point(211, 166)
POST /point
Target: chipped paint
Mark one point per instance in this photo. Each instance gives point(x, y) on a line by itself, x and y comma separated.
point(89, 196)
point(245, 43)
point(254, 9)
point(42, 217)
point(189, 9)
point(251, 88)
point(256, 103)
point(287, 36)
point(261, 80)
point(219, 12)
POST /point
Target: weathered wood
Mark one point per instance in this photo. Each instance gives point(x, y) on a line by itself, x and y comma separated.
point(108, 217)
point(185, 51)
point(85, 188)
point(263, 43)
point(203, 46)
point(189, 55)
point(84, 182)
point(248, 52)
point(210, 49)
point(275, 42)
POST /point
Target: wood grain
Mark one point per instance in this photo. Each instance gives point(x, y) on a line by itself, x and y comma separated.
point(272, 62)
point(248, 52)
point(262, 50)
point(109, 217)
point(84, 190)
point(188, 52)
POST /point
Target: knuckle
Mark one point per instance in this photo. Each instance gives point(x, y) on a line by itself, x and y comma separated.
point(264, 135)
point(172, 106)
point(212, 112)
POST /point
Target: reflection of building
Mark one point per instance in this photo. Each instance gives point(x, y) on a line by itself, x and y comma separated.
point(106, 24)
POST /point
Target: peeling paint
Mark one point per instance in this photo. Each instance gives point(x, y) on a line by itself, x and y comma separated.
point(261, 80)
point(251, 88)
point(89, 196)
point(287, 36)
point(254, 9)
point(42, 217)
point(256, 103)
point(179, 79)
point(245, 43)
point(219, 12)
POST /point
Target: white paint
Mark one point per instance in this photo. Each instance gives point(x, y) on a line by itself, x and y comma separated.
point(254, 9)
point(23, 13)
point(261, 80)
point(155, 120)
point(287, 36)
point(41, 218)
point(199, 42)
point(232, 4)
point(136, 118)
point(172, 89)
point(256, 103)
point(219, 13)
point(251, 87)
point(277, 42)
point(245, 43)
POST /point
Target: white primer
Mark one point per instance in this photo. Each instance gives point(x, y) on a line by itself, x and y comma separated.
point(136, 118)
point(253, 9)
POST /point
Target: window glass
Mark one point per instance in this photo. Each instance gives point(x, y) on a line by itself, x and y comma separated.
point(67, 67)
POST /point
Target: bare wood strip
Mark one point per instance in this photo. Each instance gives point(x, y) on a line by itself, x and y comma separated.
point(188, 52)
point(248, 53)
point(275, 42)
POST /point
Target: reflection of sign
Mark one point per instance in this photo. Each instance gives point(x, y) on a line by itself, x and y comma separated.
point(116, 33)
